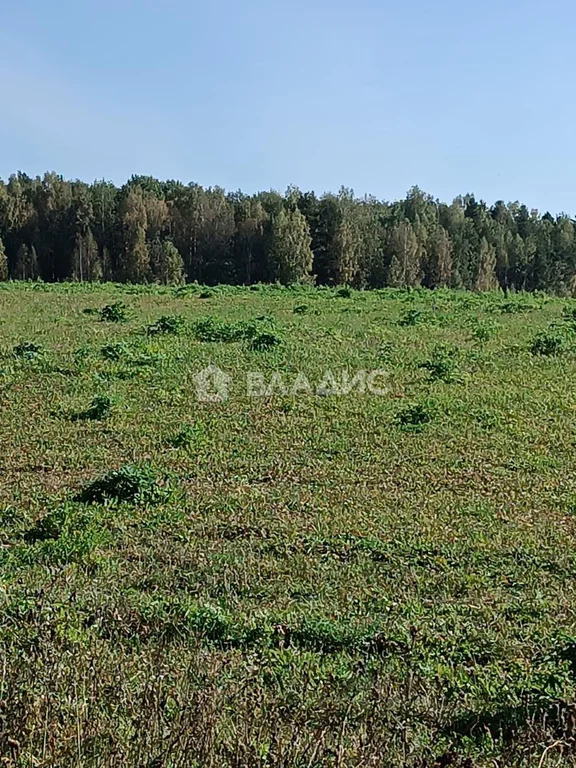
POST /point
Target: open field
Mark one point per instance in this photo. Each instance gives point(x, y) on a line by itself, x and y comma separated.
point(298, 579)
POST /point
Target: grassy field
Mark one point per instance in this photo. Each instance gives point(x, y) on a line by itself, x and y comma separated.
point(294, 580)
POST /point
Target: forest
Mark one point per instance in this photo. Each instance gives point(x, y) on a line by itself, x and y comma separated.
point(168, 232)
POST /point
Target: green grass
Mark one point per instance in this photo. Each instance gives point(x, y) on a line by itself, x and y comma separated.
point(296, 579)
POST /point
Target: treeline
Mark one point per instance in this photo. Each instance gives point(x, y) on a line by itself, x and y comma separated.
point(169, 232)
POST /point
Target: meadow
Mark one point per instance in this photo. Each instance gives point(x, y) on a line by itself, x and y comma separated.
point(298, 579)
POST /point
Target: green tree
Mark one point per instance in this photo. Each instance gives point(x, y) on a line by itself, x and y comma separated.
point(486, 275)
point(26, 267)
point(346, 254)
point(86, 264)
point(404, 260)
point(290, 253)
point(166, 262)
point(202, 229)
point(324, 217)
point(249, 239)
point(3, 262)
point(439, 259)
point(136, 263)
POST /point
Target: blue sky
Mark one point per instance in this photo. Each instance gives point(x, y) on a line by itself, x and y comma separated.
point(454, 97)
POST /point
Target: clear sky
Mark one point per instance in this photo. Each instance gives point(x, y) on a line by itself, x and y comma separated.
point(375, 95)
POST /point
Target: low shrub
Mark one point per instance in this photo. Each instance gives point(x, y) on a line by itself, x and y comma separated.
point(484, 331)
point(98, 410)
point(114, 313)
point(132, 484)
point(28, 350)
point(441, 365)
point(344, 292)
point(167, 325)
point(186, 437)
point(64, 535)
point(48, 527)
point(548, 343)
point(414, 417)
point(211, 329)
point(114, 352)
point(264, 340)
point(413, 317)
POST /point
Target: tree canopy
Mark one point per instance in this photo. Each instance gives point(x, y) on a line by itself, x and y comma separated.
point(164, 231)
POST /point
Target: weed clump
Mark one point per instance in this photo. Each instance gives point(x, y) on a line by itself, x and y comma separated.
point(516, 307)
point(98, 410)
point(344, 293)
point(186, 437)
point(413, 317)
point(324, 636)
point(265, 340)
point(114, 313)
point(64, 535)
point(548, 343)
point(28, 350)
point(569, 314)
point(47, 527)
point(442, 365)
point(167, 325)
point(131, 484)
point(484, 331)
point(414, 417)
point(210, 329)
point(300, 309)
point(114, 352)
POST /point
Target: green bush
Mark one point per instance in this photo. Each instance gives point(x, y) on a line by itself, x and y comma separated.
point(48, 527)
point(98, 410)
point(413, 317)
point(114, 313)
point(114, 352)
point(167, 325)
point(442, 365)
point(28, 350)
point(264, 340)
point(517, 306)
point(344, 293)
point(548, 343)
point(325, 636)
point(187, 436)
point(133, 484)
point(484, 331)
point(64, 535)
point(211, 329)
point(414, 417)
point(569, 314)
